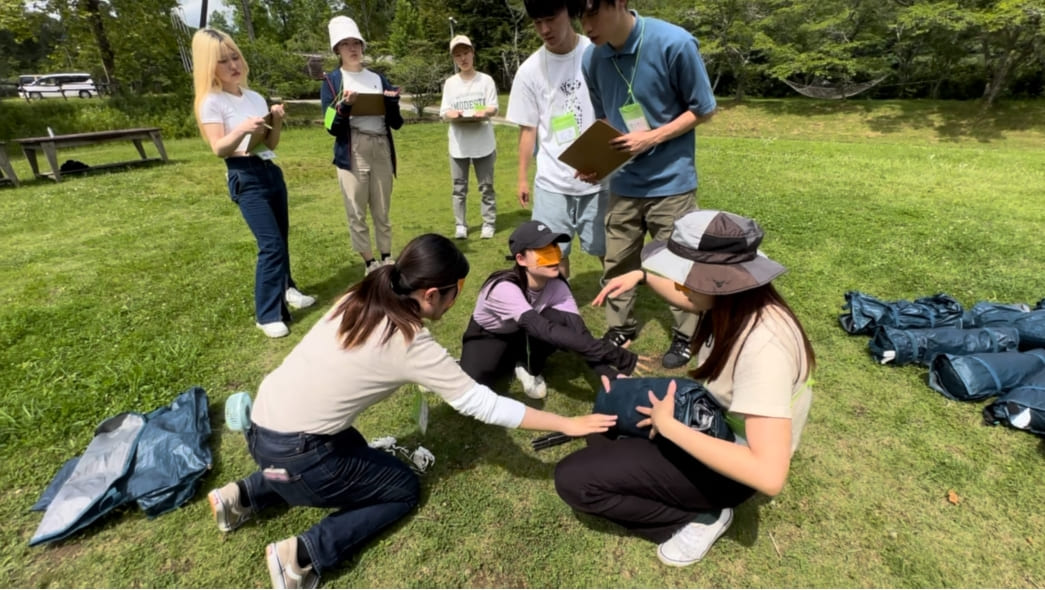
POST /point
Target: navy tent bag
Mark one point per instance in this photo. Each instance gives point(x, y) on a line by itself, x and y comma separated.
point(903, 347)
point(1022, 408)
point(866, 313)
point(974, 377)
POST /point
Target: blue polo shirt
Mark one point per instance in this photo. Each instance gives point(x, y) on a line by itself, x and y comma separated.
point(670, 78)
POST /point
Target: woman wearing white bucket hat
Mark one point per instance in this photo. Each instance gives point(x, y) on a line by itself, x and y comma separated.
point(364, 152)
point(679, 488)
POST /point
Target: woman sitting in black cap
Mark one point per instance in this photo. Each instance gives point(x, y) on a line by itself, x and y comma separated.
point(526, 313)
point(678, 488)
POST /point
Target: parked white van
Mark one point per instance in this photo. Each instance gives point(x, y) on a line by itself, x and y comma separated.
point(60, 85)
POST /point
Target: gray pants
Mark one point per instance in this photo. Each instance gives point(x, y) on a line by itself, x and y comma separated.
point(484, 176)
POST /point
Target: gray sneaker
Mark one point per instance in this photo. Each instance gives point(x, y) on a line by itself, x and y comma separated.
point(692, 542)
point(282, 561)
point(228, 511)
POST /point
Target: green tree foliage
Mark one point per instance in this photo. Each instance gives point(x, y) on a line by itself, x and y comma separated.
point(421, 75)
point(405, 28)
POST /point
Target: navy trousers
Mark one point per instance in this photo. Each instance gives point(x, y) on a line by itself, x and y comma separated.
point(257, 186)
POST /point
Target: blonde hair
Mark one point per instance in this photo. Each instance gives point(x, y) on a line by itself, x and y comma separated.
point(208, 45)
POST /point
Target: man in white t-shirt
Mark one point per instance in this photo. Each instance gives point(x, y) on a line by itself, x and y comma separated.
point(550, 103)
point(469, 100)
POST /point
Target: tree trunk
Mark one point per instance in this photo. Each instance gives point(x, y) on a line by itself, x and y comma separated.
point(248, 23)
point(94, 17)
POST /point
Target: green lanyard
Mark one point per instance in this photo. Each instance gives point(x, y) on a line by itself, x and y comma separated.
point(634, 68)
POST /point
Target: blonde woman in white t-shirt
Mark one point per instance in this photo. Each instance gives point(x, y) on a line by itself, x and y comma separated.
point(469, 100)
point(302, 432)
point(679, 487)
point(241, 129)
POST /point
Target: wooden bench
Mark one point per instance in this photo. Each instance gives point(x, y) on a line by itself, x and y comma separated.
point(7, 174)
point(49, 146)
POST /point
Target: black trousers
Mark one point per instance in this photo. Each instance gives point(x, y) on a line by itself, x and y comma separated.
point(487, 356)
point(652, 488)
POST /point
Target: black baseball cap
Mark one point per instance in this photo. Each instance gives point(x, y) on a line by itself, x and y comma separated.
point(532, 235)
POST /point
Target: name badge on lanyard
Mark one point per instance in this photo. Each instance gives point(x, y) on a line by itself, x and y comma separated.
point(565, 128)
point(634, 117)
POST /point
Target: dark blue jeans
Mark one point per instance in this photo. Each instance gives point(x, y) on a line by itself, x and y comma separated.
point(258, 188)
point(368, 488)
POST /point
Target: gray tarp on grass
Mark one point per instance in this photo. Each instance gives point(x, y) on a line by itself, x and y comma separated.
point(155, 460)
point(1023, 407)
point(902, 347)
point(975, 377)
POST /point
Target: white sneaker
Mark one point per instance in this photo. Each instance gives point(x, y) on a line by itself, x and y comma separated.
point(692, 542)
point(533, 385)
point(374, 265)
point(388, 261)
point(274, 329)
point(297, 300)
point(487, 232)
point(284, 571)
point(461, 232)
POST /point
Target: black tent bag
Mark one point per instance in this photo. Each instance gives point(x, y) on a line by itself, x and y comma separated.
point(975, 377)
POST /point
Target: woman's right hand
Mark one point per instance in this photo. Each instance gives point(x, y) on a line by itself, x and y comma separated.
point(251, 125)
point(589, 424)
point(349, 96)
point(617, 285)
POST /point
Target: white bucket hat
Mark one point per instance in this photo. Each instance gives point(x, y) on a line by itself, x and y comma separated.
point(341, 28)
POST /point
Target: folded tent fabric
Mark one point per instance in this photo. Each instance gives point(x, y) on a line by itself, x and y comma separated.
point(1023, 407)
point(94, 487)
point(1032, 329)
point(694, 405)
point(978, 376)
point(155, 459)
point(172, 454)
point(865, 313)
point(903, 347)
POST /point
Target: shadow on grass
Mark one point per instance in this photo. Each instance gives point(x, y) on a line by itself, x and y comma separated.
point(949, 120)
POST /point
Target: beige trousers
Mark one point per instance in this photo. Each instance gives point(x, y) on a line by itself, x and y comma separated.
point(368, 184)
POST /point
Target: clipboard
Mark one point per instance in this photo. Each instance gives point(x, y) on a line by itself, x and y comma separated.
point(368, 104)
point(591, 152)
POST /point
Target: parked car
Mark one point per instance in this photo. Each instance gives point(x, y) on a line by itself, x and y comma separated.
point(61, 85)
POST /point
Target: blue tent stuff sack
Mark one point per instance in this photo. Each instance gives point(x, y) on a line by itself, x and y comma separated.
point(972, 377)
point(903, 347)
point(1022, 408)
point(154, 459)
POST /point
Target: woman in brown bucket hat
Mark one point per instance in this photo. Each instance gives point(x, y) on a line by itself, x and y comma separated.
point(679, 487)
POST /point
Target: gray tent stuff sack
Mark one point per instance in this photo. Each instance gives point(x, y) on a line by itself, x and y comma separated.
point(974, 377)
point(903, 347)
point(1022, 408)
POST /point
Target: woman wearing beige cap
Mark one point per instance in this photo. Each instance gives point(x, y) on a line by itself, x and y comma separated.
point(364, 152)
point(469, 100)
point(679, 487)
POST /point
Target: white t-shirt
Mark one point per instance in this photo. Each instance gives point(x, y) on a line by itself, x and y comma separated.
point(475, 139)
point(231, 110)
point(365, 82)
point(549, 85)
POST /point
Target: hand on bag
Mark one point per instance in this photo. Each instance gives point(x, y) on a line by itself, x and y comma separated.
point(589, 424)
point(660, 412)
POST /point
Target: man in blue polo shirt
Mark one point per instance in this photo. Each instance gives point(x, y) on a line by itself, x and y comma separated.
point(647, 79)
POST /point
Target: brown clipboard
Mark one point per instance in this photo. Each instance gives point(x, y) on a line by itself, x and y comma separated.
point(592, 152)
point(368, 104)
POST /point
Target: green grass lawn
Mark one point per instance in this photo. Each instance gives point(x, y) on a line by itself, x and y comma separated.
point(118, 291)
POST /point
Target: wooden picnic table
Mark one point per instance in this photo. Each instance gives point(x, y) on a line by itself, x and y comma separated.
point(49, 145)
point(7, 174)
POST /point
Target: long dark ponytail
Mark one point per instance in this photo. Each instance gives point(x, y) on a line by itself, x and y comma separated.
point(428, 261)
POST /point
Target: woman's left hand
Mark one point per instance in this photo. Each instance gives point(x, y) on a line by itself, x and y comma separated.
point(589, 424)
point(277, 111)
point(661, 411)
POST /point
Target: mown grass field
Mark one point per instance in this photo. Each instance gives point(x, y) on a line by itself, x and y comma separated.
point(118, 291)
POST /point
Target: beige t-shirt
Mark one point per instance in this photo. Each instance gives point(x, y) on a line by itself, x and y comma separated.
point(765, 378)
point(320, 388)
